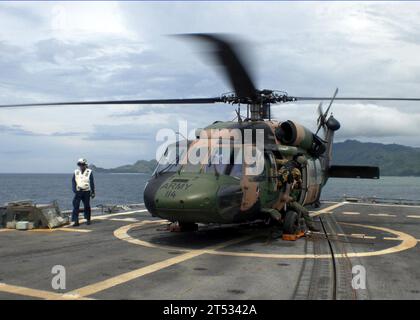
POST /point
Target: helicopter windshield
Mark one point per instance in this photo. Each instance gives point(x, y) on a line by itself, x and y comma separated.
point(170, 160)
point(223, 159)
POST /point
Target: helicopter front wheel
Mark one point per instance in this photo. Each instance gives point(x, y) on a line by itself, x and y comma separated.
point(291, 222)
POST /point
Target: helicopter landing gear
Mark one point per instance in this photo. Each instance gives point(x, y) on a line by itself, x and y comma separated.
point(183, 227)
point(292, 226)
point(291, 222)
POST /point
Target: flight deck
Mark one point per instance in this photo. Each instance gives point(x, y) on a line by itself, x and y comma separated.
point(131, 255)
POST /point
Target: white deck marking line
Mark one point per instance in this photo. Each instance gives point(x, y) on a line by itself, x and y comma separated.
point(356, 235)
point(350, 213)
point(360, 236)
point(118, 214)
point(124, 219)
point(381, 215)
point(383, 205)
point(391, 238)
point(413, 216)
point(67, 229)
point(128, 276)
point(108, 216)
point(327, 209)
point(72, 230)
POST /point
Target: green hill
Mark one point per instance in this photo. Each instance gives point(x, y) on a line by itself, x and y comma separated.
point(141, 166)
point(392, 159)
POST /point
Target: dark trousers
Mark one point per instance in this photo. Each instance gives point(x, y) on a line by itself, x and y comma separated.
point(83, 196)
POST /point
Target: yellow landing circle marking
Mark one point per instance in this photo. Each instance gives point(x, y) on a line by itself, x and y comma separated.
point(23, 291)
point(131, 275)
point(122, 234)
point(407, 242)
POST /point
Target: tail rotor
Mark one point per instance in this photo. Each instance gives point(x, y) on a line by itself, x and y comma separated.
point(323, 116)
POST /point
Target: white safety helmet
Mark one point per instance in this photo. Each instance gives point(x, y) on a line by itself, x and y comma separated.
point(82, 161)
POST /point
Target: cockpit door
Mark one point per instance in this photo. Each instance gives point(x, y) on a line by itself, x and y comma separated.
point(268, 185)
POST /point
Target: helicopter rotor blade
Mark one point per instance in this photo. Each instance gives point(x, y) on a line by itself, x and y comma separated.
point(320, 120)
point(226, 52)
point(118, 102)
point(355, 99)
point(331, 102)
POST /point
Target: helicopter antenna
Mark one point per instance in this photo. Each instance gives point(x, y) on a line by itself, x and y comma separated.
point(238, 114)
point(180, 134)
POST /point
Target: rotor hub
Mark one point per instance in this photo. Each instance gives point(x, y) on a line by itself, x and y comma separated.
point(261, 97)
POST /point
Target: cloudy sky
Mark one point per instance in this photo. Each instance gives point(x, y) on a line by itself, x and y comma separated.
point(53, 51)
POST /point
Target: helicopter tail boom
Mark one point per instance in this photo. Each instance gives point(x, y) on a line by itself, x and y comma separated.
point(359, 172)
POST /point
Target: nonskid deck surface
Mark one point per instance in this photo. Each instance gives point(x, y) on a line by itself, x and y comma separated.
point(131, 255)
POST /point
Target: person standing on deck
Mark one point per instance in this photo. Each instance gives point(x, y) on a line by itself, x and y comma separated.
point(83, 186)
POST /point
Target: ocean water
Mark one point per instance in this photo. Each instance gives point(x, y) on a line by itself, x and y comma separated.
point(44, 188)
point(128, 188)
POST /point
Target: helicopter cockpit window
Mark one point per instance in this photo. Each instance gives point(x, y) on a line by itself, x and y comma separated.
point(170, 160)
point(236, 165)
point(219, 160)
point(225, 160)
point(193, 162)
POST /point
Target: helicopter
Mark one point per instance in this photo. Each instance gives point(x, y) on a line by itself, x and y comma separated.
point(225, 193)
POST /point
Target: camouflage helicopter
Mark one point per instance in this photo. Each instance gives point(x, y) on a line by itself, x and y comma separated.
point(222, 192)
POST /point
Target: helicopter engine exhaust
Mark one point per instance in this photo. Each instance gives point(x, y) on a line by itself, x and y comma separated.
point(294, 134)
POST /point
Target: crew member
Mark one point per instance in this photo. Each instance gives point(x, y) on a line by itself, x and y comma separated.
point(83, 186)
point(290, 173)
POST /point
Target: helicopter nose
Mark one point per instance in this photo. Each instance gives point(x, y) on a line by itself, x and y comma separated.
point(151, 189)
point(186, 194)
point(229, 197)
point(193, 198)
point(187, 198)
